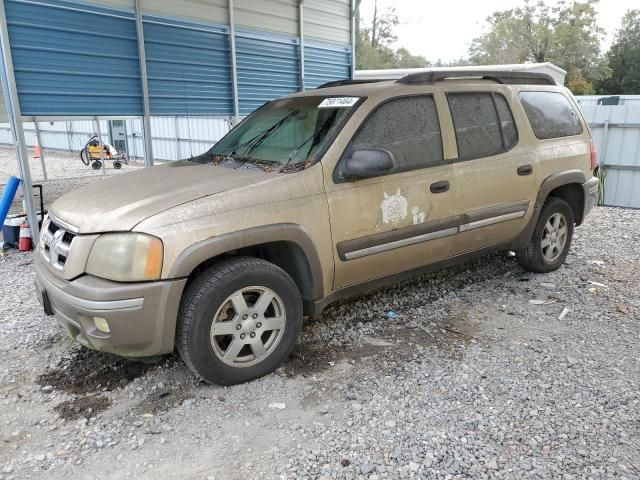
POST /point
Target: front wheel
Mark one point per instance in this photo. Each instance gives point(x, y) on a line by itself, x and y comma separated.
point(551, 238)
point(238, 320)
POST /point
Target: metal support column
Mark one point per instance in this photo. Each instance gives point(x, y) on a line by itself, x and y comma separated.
point(301, 38)
point(234, 65)
point(146, 119)
point(355, 27)
point(39, 140)
point(15, 120)
point(100, 144)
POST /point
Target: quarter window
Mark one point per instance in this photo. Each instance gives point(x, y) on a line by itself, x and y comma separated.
point(550, 114)
point(408, 127)
point(483, 123)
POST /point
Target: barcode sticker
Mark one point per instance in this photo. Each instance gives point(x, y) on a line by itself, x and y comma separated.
point(338, 102)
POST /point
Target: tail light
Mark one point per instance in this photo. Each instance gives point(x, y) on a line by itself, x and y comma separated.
point(594, 155)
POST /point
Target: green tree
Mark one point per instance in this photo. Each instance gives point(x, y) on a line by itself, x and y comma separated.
point(624, 58)
point(374, 42)
point(566, 34)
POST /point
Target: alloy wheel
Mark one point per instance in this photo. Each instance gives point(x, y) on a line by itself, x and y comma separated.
point(248, 326)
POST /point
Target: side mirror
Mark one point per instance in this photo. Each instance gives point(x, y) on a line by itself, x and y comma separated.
point(369, 162)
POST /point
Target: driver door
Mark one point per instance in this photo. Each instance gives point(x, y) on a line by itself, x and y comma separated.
point(398, 220)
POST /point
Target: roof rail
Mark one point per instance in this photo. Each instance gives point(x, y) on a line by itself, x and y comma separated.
point(339, 83)
point(508, 78)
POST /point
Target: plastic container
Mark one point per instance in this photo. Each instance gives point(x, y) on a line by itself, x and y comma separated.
point(11, 229)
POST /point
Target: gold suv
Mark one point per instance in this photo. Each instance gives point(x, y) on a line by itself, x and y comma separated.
point(312, 198)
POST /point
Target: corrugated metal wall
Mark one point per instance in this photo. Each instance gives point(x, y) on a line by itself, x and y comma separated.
point(324, 62)
point(585, 100)
point(188, 67)
point(74, 59)
point(268, 67)
point(616, 135)
point(328, 20)
point(174, 138)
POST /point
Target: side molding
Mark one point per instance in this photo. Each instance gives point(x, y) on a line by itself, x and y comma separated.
point(202, 251)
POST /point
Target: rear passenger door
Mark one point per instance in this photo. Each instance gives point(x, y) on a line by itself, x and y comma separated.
point(495, 176)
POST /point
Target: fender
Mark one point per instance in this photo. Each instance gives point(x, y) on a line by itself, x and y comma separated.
point(204, 250)
point(548, 185)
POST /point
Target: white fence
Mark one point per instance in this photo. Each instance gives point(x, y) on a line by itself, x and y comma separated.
point(173, 137)
point(616, 135)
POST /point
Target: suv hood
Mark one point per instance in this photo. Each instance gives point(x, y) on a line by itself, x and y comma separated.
point(120, 202)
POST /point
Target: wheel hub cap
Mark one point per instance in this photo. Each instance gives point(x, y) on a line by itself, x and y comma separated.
point(248, 326)
point(554, 237)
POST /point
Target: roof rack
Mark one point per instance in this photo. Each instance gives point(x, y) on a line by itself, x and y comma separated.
point(507, 78)
point(340, 83)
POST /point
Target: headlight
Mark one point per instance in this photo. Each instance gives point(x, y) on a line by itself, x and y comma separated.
point(126, 257)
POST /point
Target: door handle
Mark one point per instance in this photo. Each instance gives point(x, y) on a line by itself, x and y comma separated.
point(439, 187)
point(525, 170)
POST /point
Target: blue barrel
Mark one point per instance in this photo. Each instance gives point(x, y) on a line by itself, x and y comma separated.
point(10, 190)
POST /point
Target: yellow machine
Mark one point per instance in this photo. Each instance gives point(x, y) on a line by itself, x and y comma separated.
point(90, 154)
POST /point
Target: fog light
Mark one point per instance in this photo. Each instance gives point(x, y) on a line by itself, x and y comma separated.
point(101, 324)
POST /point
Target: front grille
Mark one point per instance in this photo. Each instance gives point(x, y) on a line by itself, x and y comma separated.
point(55, 244)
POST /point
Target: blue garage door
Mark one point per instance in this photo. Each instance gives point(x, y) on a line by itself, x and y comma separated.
point(188, 67)
point(74, 59)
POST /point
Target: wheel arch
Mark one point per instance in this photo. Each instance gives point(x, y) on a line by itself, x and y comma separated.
point(566, 185)
point(286, 245)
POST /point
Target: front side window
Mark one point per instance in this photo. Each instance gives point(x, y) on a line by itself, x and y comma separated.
point(408, 127)
point(483, 123)
point(283, 135)
point(551, 115)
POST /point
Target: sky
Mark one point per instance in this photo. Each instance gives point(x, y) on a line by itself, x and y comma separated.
point(444, 29)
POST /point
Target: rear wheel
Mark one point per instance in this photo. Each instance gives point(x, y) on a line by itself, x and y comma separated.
point(96, 164)
point(238, 321)
point(551, 238)
point(117, 165)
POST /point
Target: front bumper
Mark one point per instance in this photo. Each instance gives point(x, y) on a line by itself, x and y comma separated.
point(591, 188)
point(141, 316)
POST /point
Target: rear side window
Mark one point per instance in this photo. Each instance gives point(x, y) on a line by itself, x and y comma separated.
point(408, 127)
point(483, 123)
point(551, 115)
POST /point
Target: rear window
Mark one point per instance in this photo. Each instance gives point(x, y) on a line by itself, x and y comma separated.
point(483, 123)
point(551, 115)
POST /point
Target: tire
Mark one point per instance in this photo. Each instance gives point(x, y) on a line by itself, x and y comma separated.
point(96, 164)
point(209, 323)
point(117, 165)
point(542, 259)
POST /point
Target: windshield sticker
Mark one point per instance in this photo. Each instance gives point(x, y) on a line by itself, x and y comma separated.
point(338, 102)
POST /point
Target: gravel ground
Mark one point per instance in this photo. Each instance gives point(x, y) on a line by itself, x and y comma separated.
point(475, 377)
point(65, 172)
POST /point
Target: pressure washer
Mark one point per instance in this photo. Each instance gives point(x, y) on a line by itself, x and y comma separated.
point(90, 154)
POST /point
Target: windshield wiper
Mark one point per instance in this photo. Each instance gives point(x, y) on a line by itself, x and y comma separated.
point(324, 128)
point(258, 139)
point(255, 141)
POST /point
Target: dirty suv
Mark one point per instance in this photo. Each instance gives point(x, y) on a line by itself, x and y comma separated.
point(312, 198)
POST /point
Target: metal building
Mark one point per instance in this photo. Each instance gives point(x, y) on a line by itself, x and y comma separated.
point(130, 59)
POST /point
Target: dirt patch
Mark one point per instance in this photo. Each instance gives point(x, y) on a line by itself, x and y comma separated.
point(88, 371)
point(306, 360)
point(87, 407)
point(162, 401)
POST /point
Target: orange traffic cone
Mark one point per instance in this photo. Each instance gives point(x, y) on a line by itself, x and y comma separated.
point(38, 151)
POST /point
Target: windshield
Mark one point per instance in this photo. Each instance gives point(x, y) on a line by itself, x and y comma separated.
point(284, 134)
